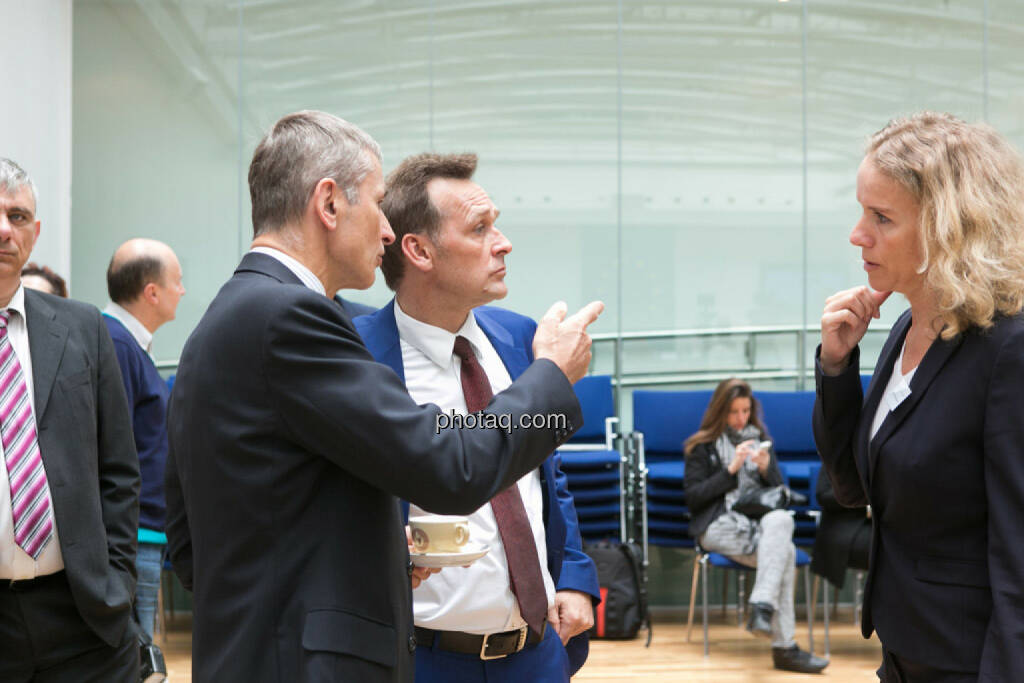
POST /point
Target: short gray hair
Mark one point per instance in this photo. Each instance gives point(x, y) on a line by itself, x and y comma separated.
point(13, 178)
point(299, 151)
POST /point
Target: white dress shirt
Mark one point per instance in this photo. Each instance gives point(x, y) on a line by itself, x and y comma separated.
point(302, 272)
point(138, 331)
point(475, 599)
point(15, 563)
point(896, 391)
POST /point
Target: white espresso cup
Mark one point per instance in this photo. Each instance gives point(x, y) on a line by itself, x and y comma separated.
point(438, 533)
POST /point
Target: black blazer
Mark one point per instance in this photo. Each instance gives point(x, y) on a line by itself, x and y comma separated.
point(843, 536)
point(87, 447)
point(706, 480)
point(288, 447)
point(945, 480)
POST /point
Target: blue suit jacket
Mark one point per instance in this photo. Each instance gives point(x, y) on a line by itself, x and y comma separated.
point(511, 335)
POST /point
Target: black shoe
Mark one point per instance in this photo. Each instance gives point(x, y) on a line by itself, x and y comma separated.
point(795, 659)
point(760, 623)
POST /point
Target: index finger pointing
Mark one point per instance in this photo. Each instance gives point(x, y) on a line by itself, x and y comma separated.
point(588, 313)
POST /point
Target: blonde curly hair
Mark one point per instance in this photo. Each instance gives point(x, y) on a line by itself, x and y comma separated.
point(969, 185)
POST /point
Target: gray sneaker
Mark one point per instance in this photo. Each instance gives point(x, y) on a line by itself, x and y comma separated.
point(795, 659)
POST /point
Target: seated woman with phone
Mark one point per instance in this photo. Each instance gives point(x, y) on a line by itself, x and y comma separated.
point(728, 461)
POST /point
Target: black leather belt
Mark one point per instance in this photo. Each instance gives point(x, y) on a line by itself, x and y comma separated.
point(19, 585)
point(490, 646)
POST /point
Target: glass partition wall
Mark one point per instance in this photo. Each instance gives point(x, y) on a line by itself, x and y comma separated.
point(690, 163)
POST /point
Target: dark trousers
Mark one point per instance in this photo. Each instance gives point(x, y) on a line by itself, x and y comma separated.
point(43, 638)
point(896, 669)
point(545, 662)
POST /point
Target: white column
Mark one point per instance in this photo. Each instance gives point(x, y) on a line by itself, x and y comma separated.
point(35, 115)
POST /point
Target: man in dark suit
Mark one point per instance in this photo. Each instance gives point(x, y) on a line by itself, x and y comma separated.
point(69, 489)
point(448, 259)
point(289, 444)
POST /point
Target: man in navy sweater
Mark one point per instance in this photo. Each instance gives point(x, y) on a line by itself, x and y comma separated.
point(144, 283)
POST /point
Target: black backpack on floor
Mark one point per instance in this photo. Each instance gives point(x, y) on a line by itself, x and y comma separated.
point(623, 609)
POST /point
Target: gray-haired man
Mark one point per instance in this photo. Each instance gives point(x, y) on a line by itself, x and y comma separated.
point(289, 444)
point(69, 486)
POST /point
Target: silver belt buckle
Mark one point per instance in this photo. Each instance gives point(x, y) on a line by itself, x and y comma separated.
point(519, 645)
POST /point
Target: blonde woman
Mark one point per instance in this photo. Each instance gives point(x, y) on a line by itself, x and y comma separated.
point(937, 446)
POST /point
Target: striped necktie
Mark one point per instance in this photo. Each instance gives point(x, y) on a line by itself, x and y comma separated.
point(30, 496)
point(525, 578)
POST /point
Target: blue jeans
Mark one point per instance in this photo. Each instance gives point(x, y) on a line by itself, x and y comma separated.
point(148, 562)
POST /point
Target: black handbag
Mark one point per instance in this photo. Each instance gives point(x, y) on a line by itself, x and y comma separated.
point(757, 504)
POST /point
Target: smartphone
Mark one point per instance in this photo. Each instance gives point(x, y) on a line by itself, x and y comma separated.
point(765, 445)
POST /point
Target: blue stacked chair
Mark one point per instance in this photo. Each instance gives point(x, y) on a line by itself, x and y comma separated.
point(593, 465)
point(662, 420)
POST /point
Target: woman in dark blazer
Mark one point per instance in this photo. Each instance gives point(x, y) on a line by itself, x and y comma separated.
point(843, 538)
point(937, 445)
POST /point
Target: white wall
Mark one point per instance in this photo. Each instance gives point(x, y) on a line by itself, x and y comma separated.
point(35, 115)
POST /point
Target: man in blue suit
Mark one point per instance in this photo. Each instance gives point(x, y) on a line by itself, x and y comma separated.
point(447, 261)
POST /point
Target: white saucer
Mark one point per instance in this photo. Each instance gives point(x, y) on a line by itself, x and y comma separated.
point(471, 553)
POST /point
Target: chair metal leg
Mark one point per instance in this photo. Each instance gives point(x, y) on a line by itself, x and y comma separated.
point(814, 594)
point(825, 605)
point(810, 611)
point(693, 595)
point(704, 584)
point(725, 595)
point(858, 599)
point(741, 596)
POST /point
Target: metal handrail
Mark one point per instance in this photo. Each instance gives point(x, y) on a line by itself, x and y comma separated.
point(705, 375)
point(800, 372)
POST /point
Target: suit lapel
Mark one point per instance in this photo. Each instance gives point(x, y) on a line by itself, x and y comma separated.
point(934, 359)
point(46, 341)
point(380, 334)
point(512, 356)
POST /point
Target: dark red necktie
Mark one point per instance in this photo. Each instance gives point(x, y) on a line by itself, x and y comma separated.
point(525, 577)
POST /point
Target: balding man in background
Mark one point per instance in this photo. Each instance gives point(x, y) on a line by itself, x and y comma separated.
point(144, 284)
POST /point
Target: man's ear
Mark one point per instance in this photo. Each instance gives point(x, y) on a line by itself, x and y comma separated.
point(419, 251)
point(150, 293)
point(329, 203)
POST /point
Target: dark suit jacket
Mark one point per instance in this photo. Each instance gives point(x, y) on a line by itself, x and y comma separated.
point(86, 443)
point(289, 445)
point(511, 335)
point(843, 536)
point(706, 480)
point(945, 480)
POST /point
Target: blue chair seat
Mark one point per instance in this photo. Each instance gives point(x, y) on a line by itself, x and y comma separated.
point(673, 494)
point(667, 509)
point(666, 473)
point(588, 460)
point(599, 527)
point(600, 494)
point(591, 477)
point(610, 510)
point(667, 527)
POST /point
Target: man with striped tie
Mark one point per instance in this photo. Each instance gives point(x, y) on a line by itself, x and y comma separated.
point(69, 484)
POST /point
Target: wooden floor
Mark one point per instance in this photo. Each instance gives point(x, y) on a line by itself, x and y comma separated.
point(735, 657)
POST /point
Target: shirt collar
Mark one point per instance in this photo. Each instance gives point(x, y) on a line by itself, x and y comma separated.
point(17, 303)
point(304, 274)
point(437, 343)
point(143, 336)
